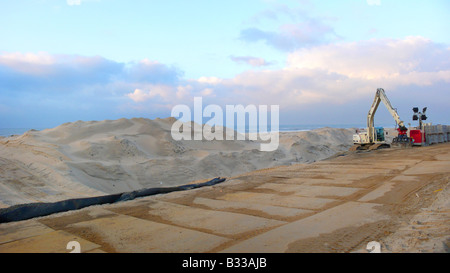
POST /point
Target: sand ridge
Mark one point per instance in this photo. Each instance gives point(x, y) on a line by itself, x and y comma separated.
point(92, 158)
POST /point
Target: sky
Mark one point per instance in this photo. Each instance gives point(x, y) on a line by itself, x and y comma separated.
point(321, 61)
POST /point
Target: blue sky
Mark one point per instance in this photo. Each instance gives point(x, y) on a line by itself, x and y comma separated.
point(321, 61)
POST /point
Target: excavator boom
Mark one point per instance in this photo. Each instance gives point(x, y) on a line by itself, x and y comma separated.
point(380, 96)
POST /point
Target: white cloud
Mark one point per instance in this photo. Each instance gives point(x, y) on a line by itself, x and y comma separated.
point(296, 29)
point(345, 72)
point(292, 36)
point(207, 92)
point(209, 80)
point(163, 91)
point(321, 77)
point(138, 95)
point(253, 61)
point(31, 58)
point(183, 91)
point(29, 63)
point(373, 59)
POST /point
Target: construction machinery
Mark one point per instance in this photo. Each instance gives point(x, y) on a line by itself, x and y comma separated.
point(418, 134)
point(427, 133)
point(375, 137)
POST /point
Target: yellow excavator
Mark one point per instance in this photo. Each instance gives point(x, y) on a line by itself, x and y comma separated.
point(375, 137)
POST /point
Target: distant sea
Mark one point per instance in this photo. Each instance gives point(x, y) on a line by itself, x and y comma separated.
point(14, 131)
point(5, 132)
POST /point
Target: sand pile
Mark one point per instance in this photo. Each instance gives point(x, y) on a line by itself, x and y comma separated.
point(92, 158)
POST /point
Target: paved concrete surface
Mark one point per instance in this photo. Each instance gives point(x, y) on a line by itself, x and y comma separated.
point(337, 205)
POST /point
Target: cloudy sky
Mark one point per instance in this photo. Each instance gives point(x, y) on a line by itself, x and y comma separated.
point(321, 61)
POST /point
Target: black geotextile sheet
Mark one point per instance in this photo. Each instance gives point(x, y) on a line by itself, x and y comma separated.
point(31, 210)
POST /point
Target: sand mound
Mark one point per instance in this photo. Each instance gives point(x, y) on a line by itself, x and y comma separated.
point(92, 158)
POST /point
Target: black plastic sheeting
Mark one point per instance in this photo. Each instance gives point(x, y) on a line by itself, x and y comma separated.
point(31, 210)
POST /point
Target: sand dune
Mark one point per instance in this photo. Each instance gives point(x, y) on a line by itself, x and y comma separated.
point(93, 158)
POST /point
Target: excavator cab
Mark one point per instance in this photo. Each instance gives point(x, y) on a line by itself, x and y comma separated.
point(379, 133)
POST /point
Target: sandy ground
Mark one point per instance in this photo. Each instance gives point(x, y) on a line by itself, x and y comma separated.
point(94, 158)
point(396, 197)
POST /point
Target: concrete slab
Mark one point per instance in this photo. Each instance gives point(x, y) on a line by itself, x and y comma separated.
point(247, 208)
point(339, 181)
point(52, 242)
point(343, 176)
point(386, 164)
point(129, 234)
point(20, 230)
point(396, 190)
point(310, 190)
point(429, 167)
point(277, 240)
point(299, 181)
point(216, 222)
point(352, 170)
point(405, 178)
point(290, 201)
point(97, 250)
point(378, 192)
point(443, 157)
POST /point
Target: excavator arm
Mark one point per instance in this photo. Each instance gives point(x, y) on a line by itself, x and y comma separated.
point(380, 96)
